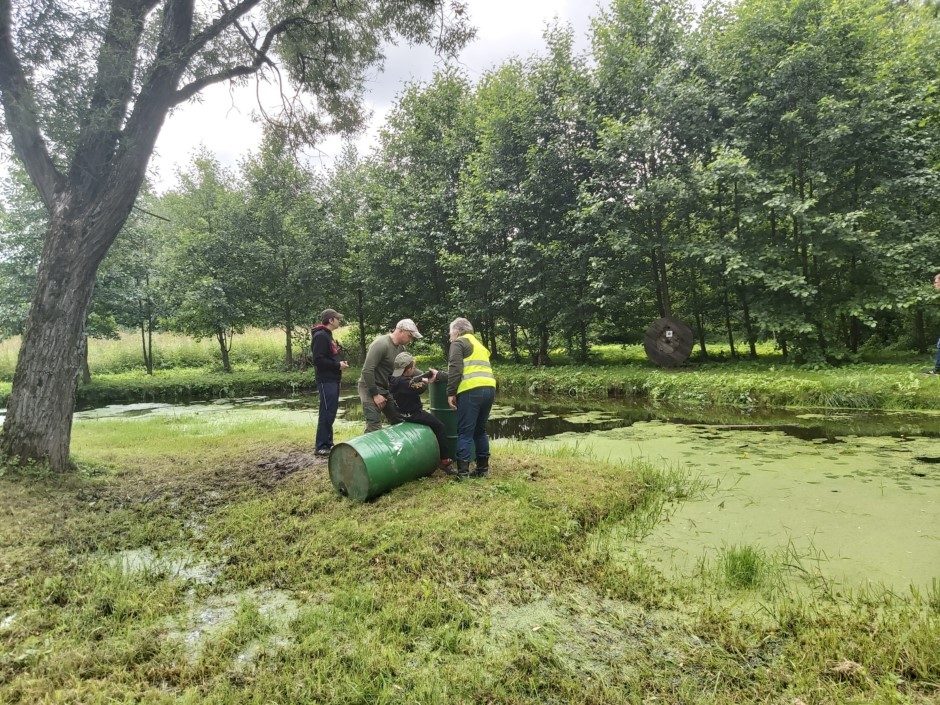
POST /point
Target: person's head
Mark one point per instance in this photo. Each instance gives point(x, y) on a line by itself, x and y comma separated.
point(331, 319)
point(458, 327)
point(404, 364)
point(405, 331)
point(936, 281)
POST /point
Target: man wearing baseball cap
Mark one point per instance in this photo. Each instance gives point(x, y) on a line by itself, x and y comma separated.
point(376, 371)
point(328, 367)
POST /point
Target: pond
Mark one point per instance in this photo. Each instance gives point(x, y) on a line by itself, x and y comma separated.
point(854, 496)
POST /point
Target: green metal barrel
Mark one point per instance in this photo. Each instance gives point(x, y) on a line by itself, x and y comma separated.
point(369, 465)
point(441, 409)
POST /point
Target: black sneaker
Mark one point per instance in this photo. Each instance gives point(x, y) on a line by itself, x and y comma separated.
point(322, 452)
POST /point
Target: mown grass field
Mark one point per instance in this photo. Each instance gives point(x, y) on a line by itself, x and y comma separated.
point(259, 584)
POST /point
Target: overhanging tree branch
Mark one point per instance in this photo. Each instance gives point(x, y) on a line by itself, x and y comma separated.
point(20, 111)
point(191, 89)
point(225, 20)
point(261, 58)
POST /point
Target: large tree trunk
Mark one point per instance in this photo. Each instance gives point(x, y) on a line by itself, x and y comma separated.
point(514, 342)
point(748, 324)
point(146, 344)
point(38, 424)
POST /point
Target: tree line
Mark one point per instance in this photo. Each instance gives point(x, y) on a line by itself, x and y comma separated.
point(766, 168)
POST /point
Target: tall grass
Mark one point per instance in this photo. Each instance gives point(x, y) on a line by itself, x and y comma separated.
point(618, 371)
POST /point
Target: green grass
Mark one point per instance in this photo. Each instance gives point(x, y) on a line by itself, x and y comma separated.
point(438, 592)
point(743, 384)
point(744, 566)
point(190, 370)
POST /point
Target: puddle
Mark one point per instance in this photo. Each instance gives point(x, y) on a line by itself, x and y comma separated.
point(210, 616)
point(174, 564)
point(865, 511)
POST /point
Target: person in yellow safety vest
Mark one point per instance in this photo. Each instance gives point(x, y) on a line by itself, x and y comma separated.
point(471, 388)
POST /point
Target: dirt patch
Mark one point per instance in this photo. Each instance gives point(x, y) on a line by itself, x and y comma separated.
point(270, 471)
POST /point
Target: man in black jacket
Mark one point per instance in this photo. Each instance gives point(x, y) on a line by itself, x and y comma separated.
point(329, 370)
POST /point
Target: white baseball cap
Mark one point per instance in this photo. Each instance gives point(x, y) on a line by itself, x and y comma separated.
point(407, 324)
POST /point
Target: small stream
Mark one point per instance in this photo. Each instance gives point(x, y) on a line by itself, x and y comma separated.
point(854, 495)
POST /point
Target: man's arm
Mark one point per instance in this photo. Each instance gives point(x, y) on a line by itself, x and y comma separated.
point(455, 357)
point(373, 356)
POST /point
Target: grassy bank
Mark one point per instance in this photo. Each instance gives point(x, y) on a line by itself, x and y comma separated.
point(208, 559)
point(188, 371)
point(745, 384)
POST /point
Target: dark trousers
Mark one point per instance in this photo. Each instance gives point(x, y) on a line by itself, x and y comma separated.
point(435, 424)
point(936, 363)
point(473, 411)
point(329, 405)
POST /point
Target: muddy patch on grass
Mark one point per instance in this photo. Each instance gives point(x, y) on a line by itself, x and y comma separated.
point(274, 469)
point(593, 635)
point(209, 617)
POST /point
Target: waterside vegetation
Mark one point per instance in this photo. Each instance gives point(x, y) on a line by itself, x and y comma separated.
point(188, 370)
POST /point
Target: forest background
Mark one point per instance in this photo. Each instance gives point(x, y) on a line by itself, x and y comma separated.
point(767, 170)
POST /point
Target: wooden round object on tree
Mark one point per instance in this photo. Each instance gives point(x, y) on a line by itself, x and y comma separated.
point(668, 342)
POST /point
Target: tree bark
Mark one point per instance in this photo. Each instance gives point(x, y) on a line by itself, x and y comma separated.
point(727, 309)
point(748, 325)
point(514, 342)
point(360, 314)
point(38, 424)
point(920, 330)
point(146, 344)
point(699, 323)
point(494, 349)
point(288, 342)
point(224, 346)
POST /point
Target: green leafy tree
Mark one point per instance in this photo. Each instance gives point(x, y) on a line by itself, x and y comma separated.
point(423, 149)
point(489, 204)
point(207, 285)
point(293, 257)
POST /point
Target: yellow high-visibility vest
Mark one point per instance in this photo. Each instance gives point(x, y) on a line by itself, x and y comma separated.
point(477, 371)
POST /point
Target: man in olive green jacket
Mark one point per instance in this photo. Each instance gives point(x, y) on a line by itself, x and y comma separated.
point(376, 371)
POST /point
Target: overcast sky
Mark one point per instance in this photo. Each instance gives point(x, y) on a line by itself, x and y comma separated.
point(223, 120)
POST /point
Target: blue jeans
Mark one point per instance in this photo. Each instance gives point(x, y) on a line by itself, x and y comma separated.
point(473, 410)
point(329, 405)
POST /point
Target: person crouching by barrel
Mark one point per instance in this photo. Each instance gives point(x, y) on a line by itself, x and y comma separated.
point(407, 384)
point(471, 388)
